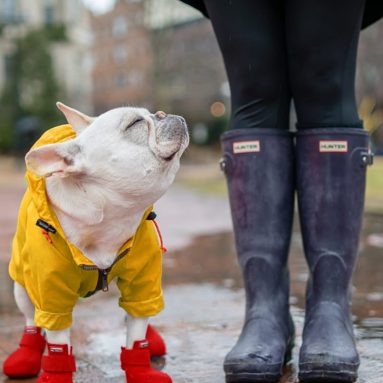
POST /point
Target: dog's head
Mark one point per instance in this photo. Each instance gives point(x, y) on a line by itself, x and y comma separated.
point(126, 151)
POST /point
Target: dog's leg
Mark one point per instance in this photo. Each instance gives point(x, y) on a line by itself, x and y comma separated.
point(59, 337)
point(136, 330)
point(24, 304)
point(59, 364)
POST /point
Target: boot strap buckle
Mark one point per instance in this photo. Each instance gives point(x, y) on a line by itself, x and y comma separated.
point(367, 158)
point(222, 164)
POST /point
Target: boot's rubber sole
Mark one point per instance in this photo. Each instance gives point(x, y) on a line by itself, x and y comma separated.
point(327, 374)
point(327, 377)
point(252, 377)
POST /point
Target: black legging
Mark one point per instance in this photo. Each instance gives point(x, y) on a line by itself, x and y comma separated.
point(278, 50)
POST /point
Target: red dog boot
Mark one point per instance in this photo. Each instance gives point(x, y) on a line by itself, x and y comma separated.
point(157, 345)
point(136, 364)
point(25, 362)
point(58, 366)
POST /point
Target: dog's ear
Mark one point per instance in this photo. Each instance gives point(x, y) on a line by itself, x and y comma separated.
point(78, 120)
point(61, 159)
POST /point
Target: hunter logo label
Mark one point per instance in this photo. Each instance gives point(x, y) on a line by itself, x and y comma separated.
point(333, 146)
point(246, 147)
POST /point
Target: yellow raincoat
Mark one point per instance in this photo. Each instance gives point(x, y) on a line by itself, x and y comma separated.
point(55, 273)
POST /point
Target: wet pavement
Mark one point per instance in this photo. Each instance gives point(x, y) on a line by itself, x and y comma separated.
point(203, 293)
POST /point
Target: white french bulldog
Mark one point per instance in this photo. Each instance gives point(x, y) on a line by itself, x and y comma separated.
point(99, 185)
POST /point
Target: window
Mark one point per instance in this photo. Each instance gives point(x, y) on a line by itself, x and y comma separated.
point(49, 14)
point(120, 53)
point(135, 77)
point(121, 80)
point(120, 26)
point(10, 11)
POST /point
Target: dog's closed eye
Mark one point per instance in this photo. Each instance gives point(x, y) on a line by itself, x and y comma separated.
point(137, 120)
point(136, 131)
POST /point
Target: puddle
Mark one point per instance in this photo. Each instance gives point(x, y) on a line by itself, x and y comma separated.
point(204, 312)
point(211, 258)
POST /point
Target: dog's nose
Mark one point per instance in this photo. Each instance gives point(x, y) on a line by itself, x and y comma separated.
point(160, 114)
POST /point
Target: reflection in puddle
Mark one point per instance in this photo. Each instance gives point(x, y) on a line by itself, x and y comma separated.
point(212, 258)
point(375, 240)
point(371, 328)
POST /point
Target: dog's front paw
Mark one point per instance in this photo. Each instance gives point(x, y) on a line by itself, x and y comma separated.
point(58, 366)
point(25, 362)
point(136, 364)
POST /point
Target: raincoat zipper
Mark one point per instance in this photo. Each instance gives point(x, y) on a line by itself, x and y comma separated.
point(103, 273)
point(104, 278)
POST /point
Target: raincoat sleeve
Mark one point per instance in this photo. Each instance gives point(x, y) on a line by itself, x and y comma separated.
point(50, 277)
point(18, 242)
point(54, 291)
point(140, 281)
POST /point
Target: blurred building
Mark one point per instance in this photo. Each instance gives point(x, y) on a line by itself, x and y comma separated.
point(158, 53)
point(71, 56)
point(122, 57)
point(190, 76)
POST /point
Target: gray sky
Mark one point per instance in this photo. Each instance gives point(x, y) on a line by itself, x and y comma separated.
point(99, 6)
point(162, 12)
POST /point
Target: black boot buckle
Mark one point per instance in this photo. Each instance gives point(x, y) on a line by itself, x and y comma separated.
point(367, 158)
point(222, 164)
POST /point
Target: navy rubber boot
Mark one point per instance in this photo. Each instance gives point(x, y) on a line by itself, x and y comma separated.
point(331, 171)
point(259, 168)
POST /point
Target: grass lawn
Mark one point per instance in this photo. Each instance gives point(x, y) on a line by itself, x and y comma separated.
point(374, 191)
point(207, 178)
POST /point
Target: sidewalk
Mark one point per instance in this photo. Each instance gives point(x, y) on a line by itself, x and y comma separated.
point(203, 294)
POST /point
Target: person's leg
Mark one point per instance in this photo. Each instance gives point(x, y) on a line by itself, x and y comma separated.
point(332, 154)
point(250, 35)
point(322, 40)
point(258, 163)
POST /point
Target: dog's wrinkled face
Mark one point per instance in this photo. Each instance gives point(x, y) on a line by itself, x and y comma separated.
point(138, 152)
point(128, 151)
